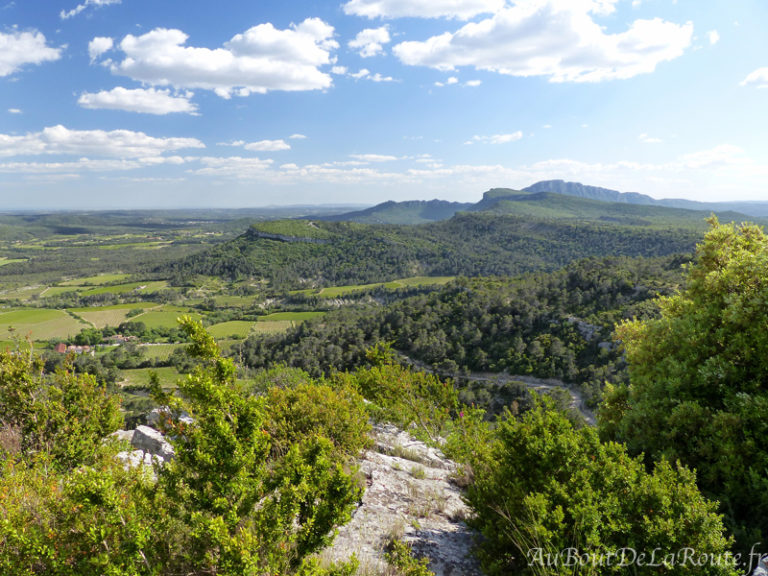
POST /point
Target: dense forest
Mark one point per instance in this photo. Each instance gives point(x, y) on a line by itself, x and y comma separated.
point(302, 253)
point(553, 325)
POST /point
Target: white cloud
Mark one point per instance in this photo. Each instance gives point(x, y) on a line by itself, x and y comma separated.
point(267, 146)
point(364, 73)
point(64, 14)
point(373, 157)
point(20, 48)
point(261, 145)
point(713, 37)
point(757, 78)
point(88, 164)
point(497, 138)
point(142, 100)
point(450, 81)
point(15, 111)
point(458, 9)
point(473, 83)
point(370, 42)
point(646, 139)
point(233, 167)
point(558, 39)
point(98, 143)
point(297, 137)
point(260, 60)
point(99, 46)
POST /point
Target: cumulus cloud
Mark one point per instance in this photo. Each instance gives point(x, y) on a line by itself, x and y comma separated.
point(496, 138)
point(233, 167)
point(370, 42)
point(99, 46)
point(757, 78)
point(365, 74)
point(261, 145)
point(457, 9)
point(373, 157)
point(452, 80)
point(99, 143)
point(558, 39)
point(267, 146)
point(65, 14)
point(15, 111)
point(297, 137)
point(646, 139)
point(259, 60)
point(20, 48)
point(713, 37)
point(473, 83)
point(141, 100)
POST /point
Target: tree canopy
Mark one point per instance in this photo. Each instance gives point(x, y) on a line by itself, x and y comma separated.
point(698, 388)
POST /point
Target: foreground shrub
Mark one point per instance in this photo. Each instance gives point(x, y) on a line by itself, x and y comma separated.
point(698, 378)
point(397, 394)
point(546, 487)
point(310, 409)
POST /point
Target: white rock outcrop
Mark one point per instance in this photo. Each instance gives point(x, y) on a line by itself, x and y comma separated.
point(149, 447)
point(409, 495)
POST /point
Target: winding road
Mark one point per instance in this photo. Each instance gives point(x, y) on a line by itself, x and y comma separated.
point(533, 383)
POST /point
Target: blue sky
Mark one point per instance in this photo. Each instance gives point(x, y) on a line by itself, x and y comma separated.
point(166, 103)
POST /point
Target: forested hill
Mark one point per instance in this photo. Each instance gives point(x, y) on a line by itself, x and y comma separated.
point(298, 253)
point(550, 325)
point(559, 199)
point(409, 212)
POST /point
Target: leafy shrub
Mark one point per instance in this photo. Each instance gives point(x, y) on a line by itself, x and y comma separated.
point(548, 487)
point(402, 396)
point(309, 409)
point(698, 374)
point(65, 416)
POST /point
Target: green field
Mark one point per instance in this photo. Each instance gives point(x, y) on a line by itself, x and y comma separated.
point(238, 328)
point(38, 324)
point(101, 316)
point(140, 376)
point(123, 288)
point(165, 316)
point(57, 290)
point(4, 261)
point(160, 351)
point(98, 280)
point(290, 316)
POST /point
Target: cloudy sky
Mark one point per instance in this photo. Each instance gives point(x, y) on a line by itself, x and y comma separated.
point(180, 103)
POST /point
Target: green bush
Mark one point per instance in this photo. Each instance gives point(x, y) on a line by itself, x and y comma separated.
point(417, 401)
point(546, 487)
point(309, 409)
point(226, 504)
point(698, 378)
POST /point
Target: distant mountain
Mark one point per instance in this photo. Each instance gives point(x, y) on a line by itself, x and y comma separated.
point(752, 209)
point(558, 199)
point(589, 192)
point(562, 206)
point(409, 212)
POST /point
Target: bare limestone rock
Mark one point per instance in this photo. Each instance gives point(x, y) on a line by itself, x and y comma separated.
point(409, 495)
point(149, 447)
point(150, 440)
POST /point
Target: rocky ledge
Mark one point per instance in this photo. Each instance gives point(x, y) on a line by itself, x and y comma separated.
point(411, 494)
